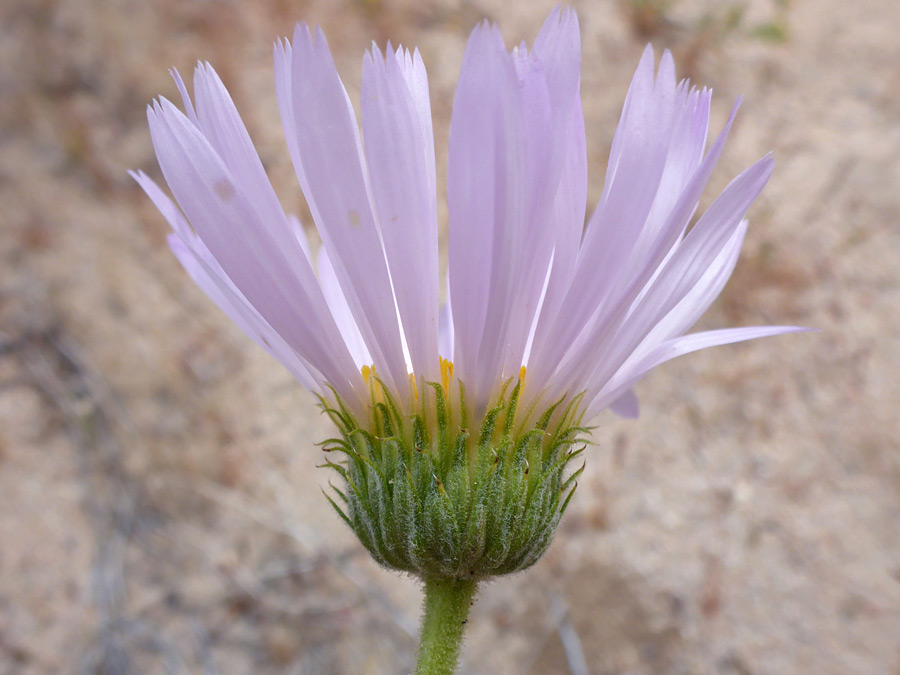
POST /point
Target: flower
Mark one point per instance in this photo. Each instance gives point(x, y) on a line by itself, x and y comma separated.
point(543, 312)
point(592, 312)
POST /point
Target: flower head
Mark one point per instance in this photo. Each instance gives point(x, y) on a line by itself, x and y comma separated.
point(547, 321)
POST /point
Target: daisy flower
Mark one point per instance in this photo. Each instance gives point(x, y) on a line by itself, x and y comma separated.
point(458, 422)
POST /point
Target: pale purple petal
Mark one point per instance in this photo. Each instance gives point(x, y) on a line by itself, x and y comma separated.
point(218, 120)
point(401, 168)
point(534, 323)
point(626, 406)
point(413, 69)
point(300, 234)
point(603, 324)
point(589, 309)
point(445, 336)
point(220, 123)
point(206, 273)
point(329, 162)
point(558, 47)
point(209, 276)
point(684, 269)
point(185, 97)
point(567, 222)
point(445, 325)
point(340, 310)
point(282, 289)
point(164, 205)
point(560, 167)
point(690, 119)
point(523, 245)
point(651, 258)
point(509, 142)
point(651, 253)
point(631, 372)
point(484, 184)
point(697, 300)
point(637, 160)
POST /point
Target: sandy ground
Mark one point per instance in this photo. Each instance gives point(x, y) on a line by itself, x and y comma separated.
point(159, 502)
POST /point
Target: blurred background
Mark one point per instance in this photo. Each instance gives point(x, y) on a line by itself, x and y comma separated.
point(160, 507)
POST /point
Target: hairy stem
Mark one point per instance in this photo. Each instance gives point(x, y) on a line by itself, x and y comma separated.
point(447, 603)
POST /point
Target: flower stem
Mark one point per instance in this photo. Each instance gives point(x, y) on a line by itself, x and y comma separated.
point(447, 603)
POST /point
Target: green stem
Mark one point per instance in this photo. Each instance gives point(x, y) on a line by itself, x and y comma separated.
point(447, 603)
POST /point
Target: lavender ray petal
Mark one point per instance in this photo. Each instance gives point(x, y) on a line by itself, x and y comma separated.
point(682, 272)
point(398, 154)
point(632, 372)
point(340, 310)
point(484, 186)
point(205, 272)
point(627, 405)
point(283, 290)
point(328, 156)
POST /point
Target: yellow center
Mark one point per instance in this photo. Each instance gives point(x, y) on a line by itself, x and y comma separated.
point(368, 373)
point(446, 372)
